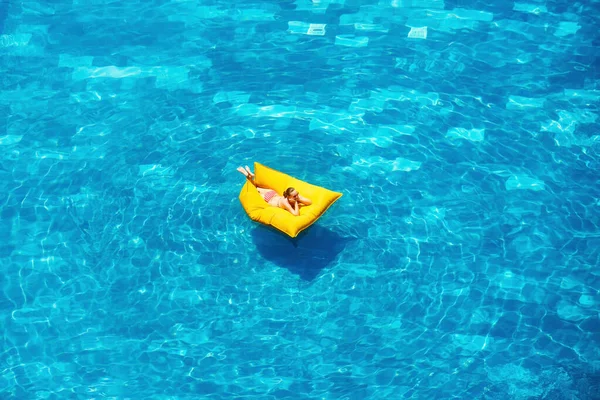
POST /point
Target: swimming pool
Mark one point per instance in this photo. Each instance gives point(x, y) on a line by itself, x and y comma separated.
point(461, 262)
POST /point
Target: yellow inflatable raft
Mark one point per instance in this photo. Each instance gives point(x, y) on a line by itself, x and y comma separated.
point(258, 209)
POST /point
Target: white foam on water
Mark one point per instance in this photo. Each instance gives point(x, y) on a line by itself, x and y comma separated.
point(405, 165)
point(84, 97)
point(427, 4)
point(106, 72)
point(399, 94)
point(253, 14)
point(16, 40)
point(587, 300)
point(519, 102)
point(363, 105)
point(370, 27)
point(86, 153)
point(351, 41)
point(316, 30)
point(567, 122)
point(379, 141)
point(53, 155)
point(155, 170)
point(470, 343)
point(305, 28)
point(520, 382)
point(474, 135)
point(475, 15)
point(570, 312)
point(509, 281)
point(510, 25)
point(91, 130)
point(395, 130)
point(564, 128)
point(384, 164)
point(567, 28)
point(530, 8)
point(31, 315)
point(569, 283)
point(168, 77)
point(592, 95)
point(275, 110)
point(7, 140)
point(418, 33)
point(315, 6)
point(519, 182)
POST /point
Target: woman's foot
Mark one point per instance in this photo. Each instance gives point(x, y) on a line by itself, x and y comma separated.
point(243, 171)
point(249, 172)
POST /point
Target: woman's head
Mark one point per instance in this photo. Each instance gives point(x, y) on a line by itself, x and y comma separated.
point(290, 193)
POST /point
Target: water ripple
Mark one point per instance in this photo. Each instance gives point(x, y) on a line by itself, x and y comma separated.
point(459, 263)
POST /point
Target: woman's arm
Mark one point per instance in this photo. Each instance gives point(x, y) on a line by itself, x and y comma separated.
point(304, 200)
point(288, 206)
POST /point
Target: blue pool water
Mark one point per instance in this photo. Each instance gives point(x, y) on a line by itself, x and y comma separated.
point(461, 262)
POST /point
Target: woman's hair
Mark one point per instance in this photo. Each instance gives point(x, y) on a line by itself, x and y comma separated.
point(288, 191)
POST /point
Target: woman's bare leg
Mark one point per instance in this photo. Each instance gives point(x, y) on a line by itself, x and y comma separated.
point(263, 191)
point(248, 174)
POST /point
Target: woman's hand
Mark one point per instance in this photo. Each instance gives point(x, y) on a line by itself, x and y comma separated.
point(291, 207)
point(293, 199)
point(294, 205)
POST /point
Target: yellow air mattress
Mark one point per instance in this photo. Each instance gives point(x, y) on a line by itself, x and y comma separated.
point(260, 211)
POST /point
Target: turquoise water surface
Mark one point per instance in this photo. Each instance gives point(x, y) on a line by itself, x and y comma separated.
point(461, 262)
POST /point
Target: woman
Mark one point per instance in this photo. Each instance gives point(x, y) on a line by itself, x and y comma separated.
point(291, 199)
